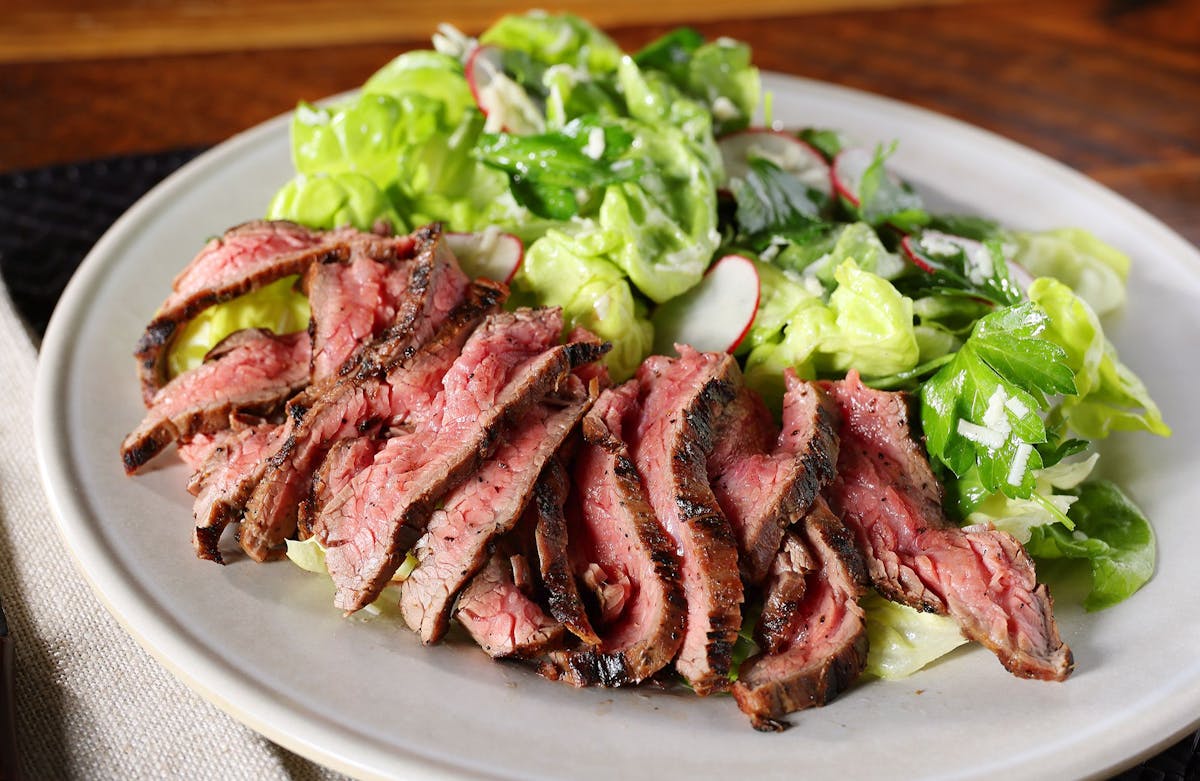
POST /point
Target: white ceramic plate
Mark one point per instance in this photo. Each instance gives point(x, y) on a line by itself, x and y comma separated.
point(264, 642)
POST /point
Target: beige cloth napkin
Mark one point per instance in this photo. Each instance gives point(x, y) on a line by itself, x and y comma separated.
point(91, 704)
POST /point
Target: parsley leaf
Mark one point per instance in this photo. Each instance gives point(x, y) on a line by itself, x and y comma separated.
point(771, 201)
point(982, 410)
point(954, 265)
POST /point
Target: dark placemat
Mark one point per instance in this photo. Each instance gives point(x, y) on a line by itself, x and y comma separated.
point(50, 218)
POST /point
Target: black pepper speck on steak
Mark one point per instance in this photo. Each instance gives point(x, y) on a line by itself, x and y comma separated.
point(983, 578)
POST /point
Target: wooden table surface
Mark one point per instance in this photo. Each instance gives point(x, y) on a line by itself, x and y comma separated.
point(1111, 88)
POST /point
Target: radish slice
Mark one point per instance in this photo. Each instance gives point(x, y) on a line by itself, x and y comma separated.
point(504, 102)
point(924, 250)
point(783, 149)
point(490, 254)
point(716, 314)
point(847, 172)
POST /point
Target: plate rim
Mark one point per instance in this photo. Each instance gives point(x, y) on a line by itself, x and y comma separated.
point(302, 729)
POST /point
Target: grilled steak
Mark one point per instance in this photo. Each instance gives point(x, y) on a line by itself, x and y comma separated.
point(504, 369)
point(680, 400)
point(764, 485)
point(826, 647)
point(344, 409)
point(501, 617)
point(350, 305)
point(613, 529)
point(219, 479)
point(545, 515)
point(246, 258)
point(455, 545)
point(360, 401)
point(786, 582)
point(249, 371)
point(887, 493)
point(345, 459)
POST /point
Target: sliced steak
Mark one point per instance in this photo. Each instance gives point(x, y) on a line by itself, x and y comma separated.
point(505, 369)
point(777, 624)
point(359, 402)
point(246, 258)
point(344, 460)
point(488, 504)
point(501, 617)
point(613, 529)
point(680, 400)
point(350, 305)
point(545, 515)
point(219, 477)
point(765, 484)
point(888, 494)
point(345, 409)
point(249, 371)
point(826, 646)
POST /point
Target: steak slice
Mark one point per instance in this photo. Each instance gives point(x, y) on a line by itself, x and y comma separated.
point(613, 529)
point(501, 617)
point(785, 590)
point(764, 484)
point(983, 578)
point(350, 304)
point(680, 400)
point(345, 459)
point(251, 371)
point(826, 646)
point(246, 258)
point(219, 478)
point(488, 504)
point(322, 416)
point(360, 401)
point(545, 515)
point(505, 368)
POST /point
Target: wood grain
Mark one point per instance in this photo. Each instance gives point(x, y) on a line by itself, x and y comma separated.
point(79, 29)
point(1110, 89)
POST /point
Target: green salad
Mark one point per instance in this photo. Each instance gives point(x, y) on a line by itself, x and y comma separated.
point(627, 175)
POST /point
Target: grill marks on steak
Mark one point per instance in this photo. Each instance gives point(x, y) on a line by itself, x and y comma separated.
point(680, 400)
point(507, 366)
point(983, 578)
point(822, 648)
point(545, 514)
point(501, 617)
point(483, 507)
point(357, 403)
point(613, 529)
point(765, 484)
point(250, 371)
point(246, 258)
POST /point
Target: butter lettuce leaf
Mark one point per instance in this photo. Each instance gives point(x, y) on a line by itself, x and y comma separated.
point(901, 640)
point(327, 201)
point(1111, 535)
point(1090, 267)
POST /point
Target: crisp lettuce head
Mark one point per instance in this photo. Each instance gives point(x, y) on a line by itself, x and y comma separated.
point(555, 39)
point(902, 640)
point(572, 272)
point(873, 325)
point(1093, 269)
point(278, 307)
point(327, 201)
point(1111, 535)
point(1109, 396)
